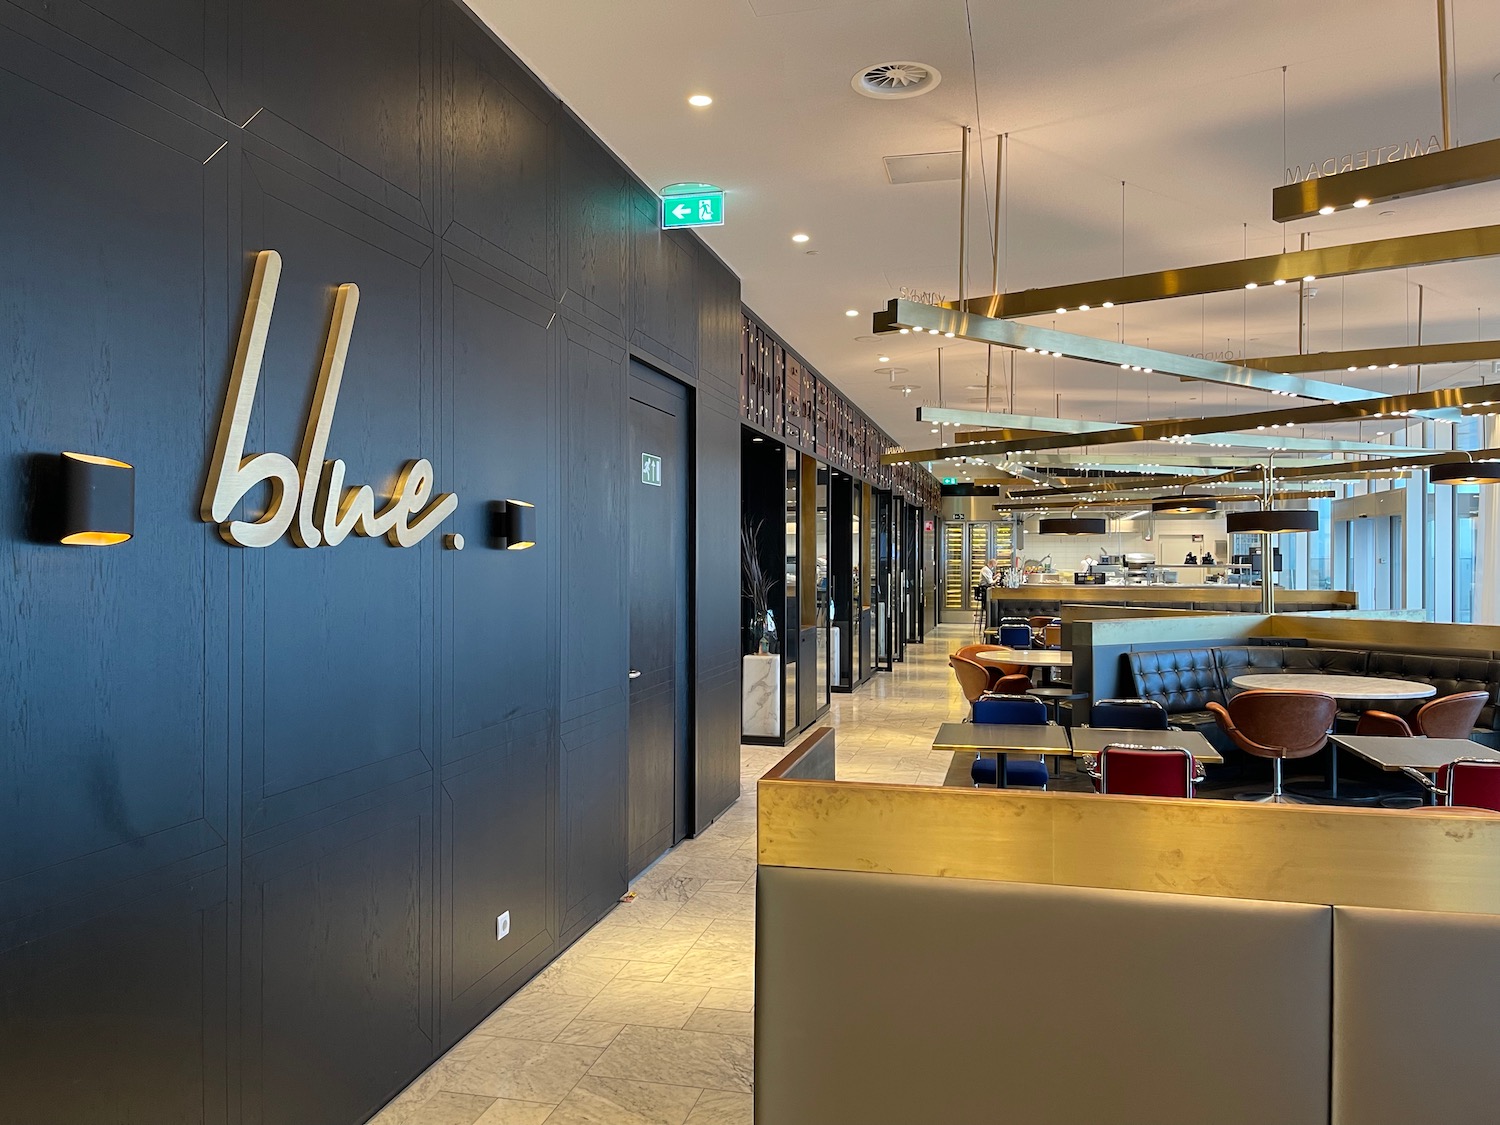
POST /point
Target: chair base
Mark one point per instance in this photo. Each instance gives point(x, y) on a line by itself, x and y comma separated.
point(1273, 799)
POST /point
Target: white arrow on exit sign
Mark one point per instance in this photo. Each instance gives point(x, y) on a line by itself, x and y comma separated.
point(682, 210)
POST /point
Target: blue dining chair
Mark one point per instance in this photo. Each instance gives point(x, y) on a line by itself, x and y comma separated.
point(1128, 714)
point(1015, 636)
point(1017, 710)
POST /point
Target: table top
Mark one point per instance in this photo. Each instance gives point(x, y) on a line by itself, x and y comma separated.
point(1031, 657)
point(979, 738)
point(1428, 754)
point(1340, 687)
point(1090, 740)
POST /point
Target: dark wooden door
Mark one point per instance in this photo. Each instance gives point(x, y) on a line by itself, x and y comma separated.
point(660, 777)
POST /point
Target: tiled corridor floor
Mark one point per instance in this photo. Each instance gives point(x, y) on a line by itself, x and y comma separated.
point(646, 1020)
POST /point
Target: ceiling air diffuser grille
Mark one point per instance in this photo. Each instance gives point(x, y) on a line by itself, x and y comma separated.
point(896, 80)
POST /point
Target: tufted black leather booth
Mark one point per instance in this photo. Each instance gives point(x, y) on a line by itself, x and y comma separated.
point(1184, 680)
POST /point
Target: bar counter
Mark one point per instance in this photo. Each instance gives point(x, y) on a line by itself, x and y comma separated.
point(1047, 599)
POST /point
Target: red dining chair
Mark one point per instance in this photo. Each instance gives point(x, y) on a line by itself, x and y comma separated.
point(1145, 771)
point(1452, 716)
point(1471, 782)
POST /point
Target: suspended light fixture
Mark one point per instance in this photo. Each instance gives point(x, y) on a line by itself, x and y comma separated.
point(1269, 520)
point(1186, 505)
point(1073, 524)
point(1466, 472)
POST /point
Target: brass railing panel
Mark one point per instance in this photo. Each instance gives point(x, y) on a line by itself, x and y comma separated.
point(1355, 857)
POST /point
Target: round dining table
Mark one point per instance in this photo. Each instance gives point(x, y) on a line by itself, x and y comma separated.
point(1362, 689)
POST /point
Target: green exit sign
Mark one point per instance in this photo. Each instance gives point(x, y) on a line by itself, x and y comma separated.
point(950, 480)
point(692, 205)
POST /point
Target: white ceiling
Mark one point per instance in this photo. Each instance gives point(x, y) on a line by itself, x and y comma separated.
point(1180, 99)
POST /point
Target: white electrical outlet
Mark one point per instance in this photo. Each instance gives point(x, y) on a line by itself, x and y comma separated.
point(502, 926)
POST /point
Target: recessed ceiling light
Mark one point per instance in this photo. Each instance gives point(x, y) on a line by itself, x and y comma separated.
point(700, 100)
point(800, 237)
point(906, 331)
point(851, 312)
point(1280, 281)
point(1309, 278)
point(948, 334)
point(1083, 308)
point(1109, 304)
point(932, 332)
point(1252, 285)
point(1061, 311)
point(1361, 203)
point(884, 359)
point(1326, 209)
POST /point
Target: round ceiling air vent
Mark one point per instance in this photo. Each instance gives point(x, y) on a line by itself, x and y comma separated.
point(896, 80)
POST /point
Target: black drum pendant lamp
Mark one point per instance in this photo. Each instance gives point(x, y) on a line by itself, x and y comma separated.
point(1466, 472)
point(1073, 525)
point(1186, 505)
point(1272, 521)
point(1269, 520)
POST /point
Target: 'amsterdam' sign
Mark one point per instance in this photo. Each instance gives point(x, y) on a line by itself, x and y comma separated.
point(308, 497)
point(1353, 161)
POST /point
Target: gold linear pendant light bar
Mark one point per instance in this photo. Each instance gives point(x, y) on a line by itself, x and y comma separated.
point(1400, 179)
point(1445, 398)
point(1225, 277)
point(1277, 443)
point(1160, 493)
point(983, 329)
point(1371, 359)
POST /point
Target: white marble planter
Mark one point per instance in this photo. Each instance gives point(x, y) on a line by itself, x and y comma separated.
point(760, 710)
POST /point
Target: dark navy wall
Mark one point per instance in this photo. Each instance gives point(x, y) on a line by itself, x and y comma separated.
point(259, 808)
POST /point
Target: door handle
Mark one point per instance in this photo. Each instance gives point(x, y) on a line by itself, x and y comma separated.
point(634, 674)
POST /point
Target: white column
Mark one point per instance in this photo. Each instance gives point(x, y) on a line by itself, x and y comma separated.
point(1487, 540)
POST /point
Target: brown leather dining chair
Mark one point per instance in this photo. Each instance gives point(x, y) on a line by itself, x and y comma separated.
point(1277, 725)
point(995, 669)
point(1452, 716)
point(974, 679)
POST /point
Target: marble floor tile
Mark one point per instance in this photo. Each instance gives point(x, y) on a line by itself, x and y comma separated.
point(504, 1111)
point(590, 1033)
point(722, 1022)
point(729, 999)
point(646, 970)
point(720, 1107)
point(716, 968)
point(536, 1015)
point(669, 1055)
point(519, 1069)
point(648, 1003)
point(717, 904)
point(440, 1107)
point(575, 973)
point(620, 1101)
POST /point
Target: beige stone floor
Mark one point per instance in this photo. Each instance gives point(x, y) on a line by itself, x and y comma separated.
point(647, 1019)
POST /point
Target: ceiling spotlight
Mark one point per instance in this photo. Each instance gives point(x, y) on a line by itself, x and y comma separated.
point(1031, 350)
point(1124, 367)
point(932, 331)
point(906, 331)
point(1354, 369)
point(700, 100)
point(884, 359)
point(1309, 279)
point(851, 312)
point(948, 334)
point(1279, 281)
point(1147, 370)
point(1252, 285)
point(1361, 203)
point(1108, 305)
point(1083, 308)
point(1061, 311)
point(1326, 209)
point(800, 237)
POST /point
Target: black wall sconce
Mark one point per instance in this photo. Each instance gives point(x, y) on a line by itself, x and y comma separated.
point(97, 500)
point(512, 524)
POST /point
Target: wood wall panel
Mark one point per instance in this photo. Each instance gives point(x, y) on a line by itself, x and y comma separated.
point(120, 745)
point(264, 805)
point(500, 176)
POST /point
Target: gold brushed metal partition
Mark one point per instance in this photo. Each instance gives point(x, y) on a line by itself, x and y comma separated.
point(1404, 860)
point(1445, 398)
point(1380, 183)
point(1224, 277)
point(1373, 359)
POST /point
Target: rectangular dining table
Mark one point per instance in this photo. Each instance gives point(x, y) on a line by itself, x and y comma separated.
point(1091, 740)
point(1002, 739)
